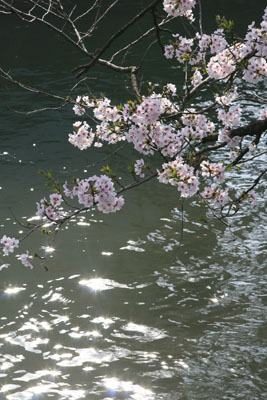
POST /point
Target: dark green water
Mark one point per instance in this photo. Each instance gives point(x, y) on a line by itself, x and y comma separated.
point(126, 310)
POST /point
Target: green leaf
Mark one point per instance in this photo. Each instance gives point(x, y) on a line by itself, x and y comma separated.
point(228, 167)
point(107, 170)
point(131, 168)
point(223, 23)
point(46, 231)
point(203, 219)
point(44, 266)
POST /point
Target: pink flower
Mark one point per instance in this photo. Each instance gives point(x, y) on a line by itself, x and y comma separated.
point(138, 168)
point(55, 199)
point(24, 258)
point(181, 8)
point(9, 244)
point(253, 198)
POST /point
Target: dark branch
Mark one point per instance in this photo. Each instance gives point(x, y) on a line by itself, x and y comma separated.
point(253, 129)
point(84, 68)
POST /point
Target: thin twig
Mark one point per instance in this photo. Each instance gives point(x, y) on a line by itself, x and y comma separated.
point(133, 185)
point(200, 17)
point(252, 158)
point(37, 110)
point(182, 222)
point(84, 68)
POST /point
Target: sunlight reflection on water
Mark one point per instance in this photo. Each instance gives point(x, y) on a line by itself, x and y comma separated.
point(14, 290)
point(136, 392)
point(99, 284)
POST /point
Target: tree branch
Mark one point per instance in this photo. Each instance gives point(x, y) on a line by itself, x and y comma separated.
point(84, 68)
point(254, 128)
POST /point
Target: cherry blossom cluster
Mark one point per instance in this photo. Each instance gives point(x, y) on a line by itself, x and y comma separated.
point(181, 8)
point(99, 191)
point(222, 65)
point(224, 137)
point(82, 137)
point(146, 131)
point(217, 41)
point(213, 170)
point(158, 136)
point(230, 118)
point(256, 38)
point(104, 112)
point(149, 110)
point(82, 103)
point(96, 190)
point(193, 50)
point(197, 126)
point(181, 49)
point(142, 121)
point(227, 98)
point(227, 57)
point(49, 209)
point(179, 174)
point(9, 244)
point(141, 125)
point(256, 70)
point(216, 197)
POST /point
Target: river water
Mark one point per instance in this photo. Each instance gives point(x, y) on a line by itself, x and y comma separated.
point(129, 308)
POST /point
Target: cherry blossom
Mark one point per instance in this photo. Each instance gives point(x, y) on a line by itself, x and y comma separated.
point(171, 88)
point(138, 168)
point(230, 118)
point(213, 169)
point(78, 109)
point(55, 199)
point(196, 78)
point(181, 8)
point(253, 197)
point(24, 258)
point(9, 244)
point(84, 136)
point(179, 174)
point(218, 41)
point(49, 210)
point(228, 98)
point(217, 198)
